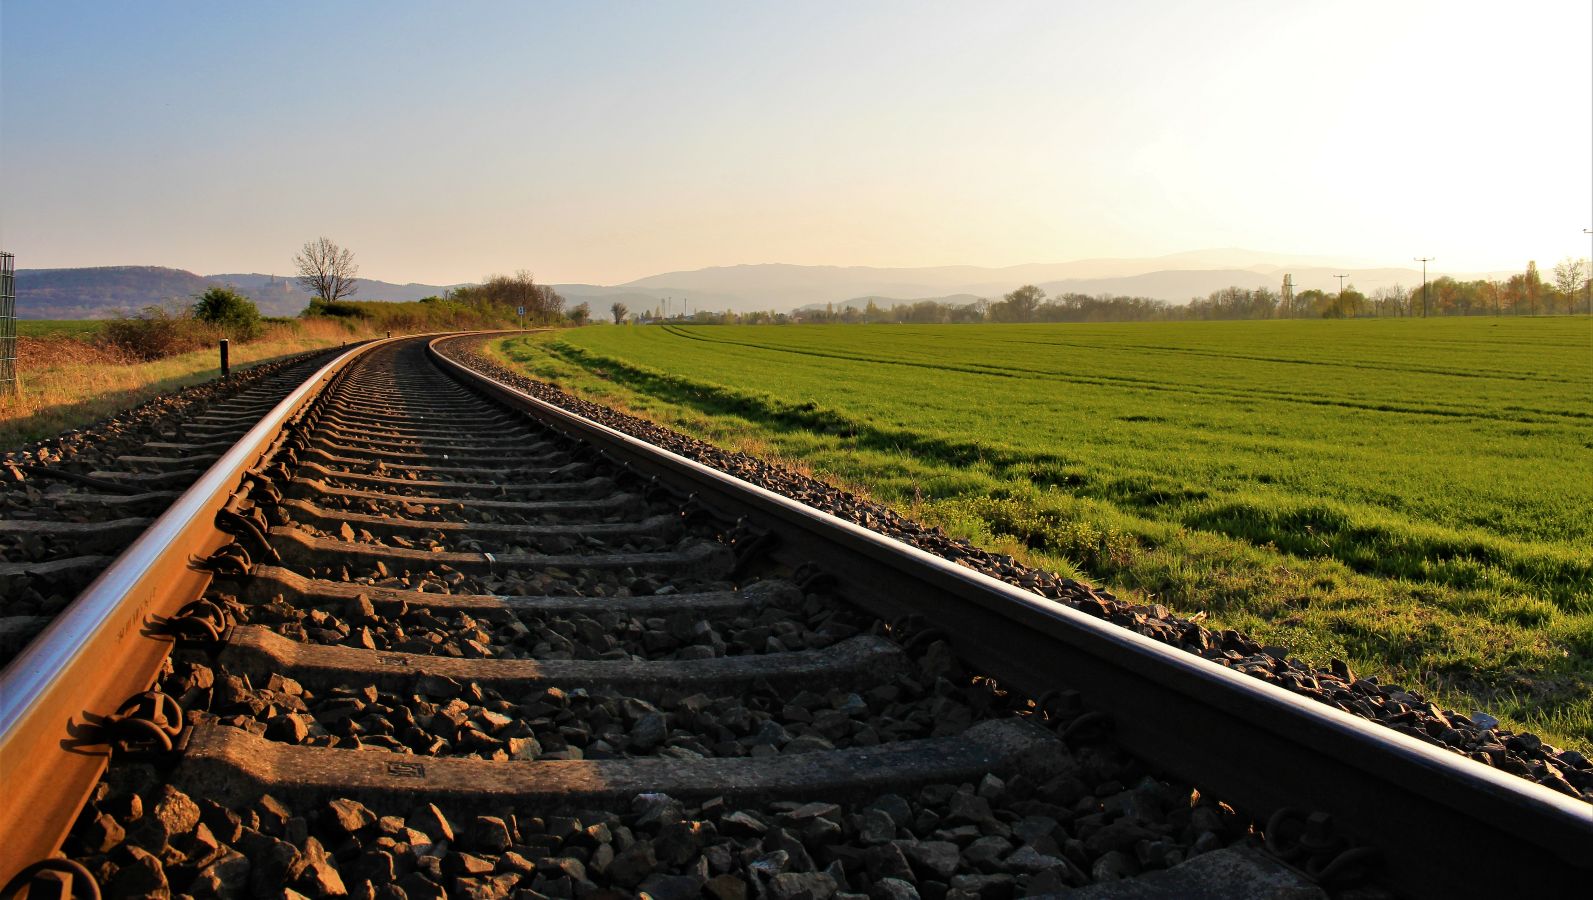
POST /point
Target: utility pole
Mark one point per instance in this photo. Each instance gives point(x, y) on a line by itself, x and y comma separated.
point(1341, 283)
point(1424, 260)
point(1589, 280)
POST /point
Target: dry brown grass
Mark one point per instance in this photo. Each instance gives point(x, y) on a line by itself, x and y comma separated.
point(61, 351)
point(69, 382)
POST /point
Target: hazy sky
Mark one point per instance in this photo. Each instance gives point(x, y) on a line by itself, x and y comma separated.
point(600, 143)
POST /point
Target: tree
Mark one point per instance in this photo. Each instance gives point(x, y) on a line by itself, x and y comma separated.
point(1493, 291)
point(510, 293)
point(1570, 274)
point(580, 313)
point(1264, 303)
point(1391, 301)
point(1533, 285)
point(231, 311)
point(1314, 302)
point(1018, 306)
point(619, 310)
point(326, 270)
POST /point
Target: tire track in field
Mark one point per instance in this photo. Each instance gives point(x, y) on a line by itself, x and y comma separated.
point(1456, 373)
point(1451, 411)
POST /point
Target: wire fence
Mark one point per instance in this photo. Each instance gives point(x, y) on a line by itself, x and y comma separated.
point(8, 323)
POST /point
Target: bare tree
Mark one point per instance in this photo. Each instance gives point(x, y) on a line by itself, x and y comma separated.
point(619, 310)
point(1390, 300)
point(326, 270)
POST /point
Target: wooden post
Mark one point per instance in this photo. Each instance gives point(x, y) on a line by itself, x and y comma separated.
point(225, 367)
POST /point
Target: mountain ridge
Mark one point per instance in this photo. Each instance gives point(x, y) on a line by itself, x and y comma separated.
point(101, 291)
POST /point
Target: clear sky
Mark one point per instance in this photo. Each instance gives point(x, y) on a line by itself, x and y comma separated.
point(604, 142)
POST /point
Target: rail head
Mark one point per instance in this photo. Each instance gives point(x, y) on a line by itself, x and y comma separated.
point(1241, 738)
point(105, 646)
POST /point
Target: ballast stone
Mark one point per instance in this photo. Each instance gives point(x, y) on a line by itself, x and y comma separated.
point(1219, 875)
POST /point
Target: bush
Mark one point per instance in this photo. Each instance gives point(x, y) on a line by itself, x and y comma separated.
point(428, 314)
point(156, 333)
point(507, 293)
point(231, 312)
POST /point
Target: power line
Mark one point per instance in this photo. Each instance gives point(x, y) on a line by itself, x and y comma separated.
point(1424, 260)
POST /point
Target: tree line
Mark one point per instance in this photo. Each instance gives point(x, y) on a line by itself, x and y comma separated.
point(328, 273)
point(1526, 293)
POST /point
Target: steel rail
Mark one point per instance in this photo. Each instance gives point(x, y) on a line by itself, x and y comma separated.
point(108, 644)
point(1446, 825)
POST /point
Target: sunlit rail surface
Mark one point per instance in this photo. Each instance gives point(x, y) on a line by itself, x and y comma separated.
point(415, 627)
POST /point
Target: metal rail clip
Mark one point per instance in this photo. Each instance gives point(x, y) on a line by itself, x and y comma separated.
point(200, 623)
point(233, 559)
point(242, 519)
point(147, 722)
point(56, 878)
point(1307, 841)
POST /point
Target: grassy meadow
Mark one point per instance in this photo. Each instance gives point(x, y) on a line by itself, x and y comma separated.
point(1413, 496)
point(68, 380)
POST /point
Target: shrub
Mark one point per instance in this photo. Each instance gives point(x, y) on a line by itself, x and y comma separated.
point(231, 312)
point(156, 333)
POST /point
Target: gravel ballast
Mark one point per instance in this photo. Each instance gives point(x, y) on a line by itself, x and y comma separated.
point(1478, 736)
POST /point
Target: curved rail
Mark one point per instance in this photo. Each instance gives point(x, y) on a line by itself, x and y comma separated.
point(1257, 746)
point(1247, 741)
point(109, 644)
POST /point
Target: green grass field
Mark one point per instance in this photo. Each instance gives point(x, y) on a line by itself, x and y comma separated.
point(1415, 496)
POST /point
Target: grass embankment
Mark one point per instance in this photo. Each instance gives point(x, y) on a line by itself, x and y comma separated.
point(68, 381)
point(1411, 496)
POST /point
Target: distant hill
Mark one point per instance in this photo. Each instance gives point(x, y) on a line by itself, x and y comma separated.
point(108, 290)
point(100, 292)
point(262, 288)
point(105, 291)
point(1175, 279)
point(1176, 286)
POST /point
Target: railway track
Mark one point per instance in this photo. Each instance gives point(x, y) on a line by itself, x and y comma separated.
point(419, 634)
point(69, 506)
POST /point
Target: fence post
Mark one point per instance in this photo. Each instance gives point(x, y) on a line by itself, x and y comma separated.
point(8, 324)
point(225, 368)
